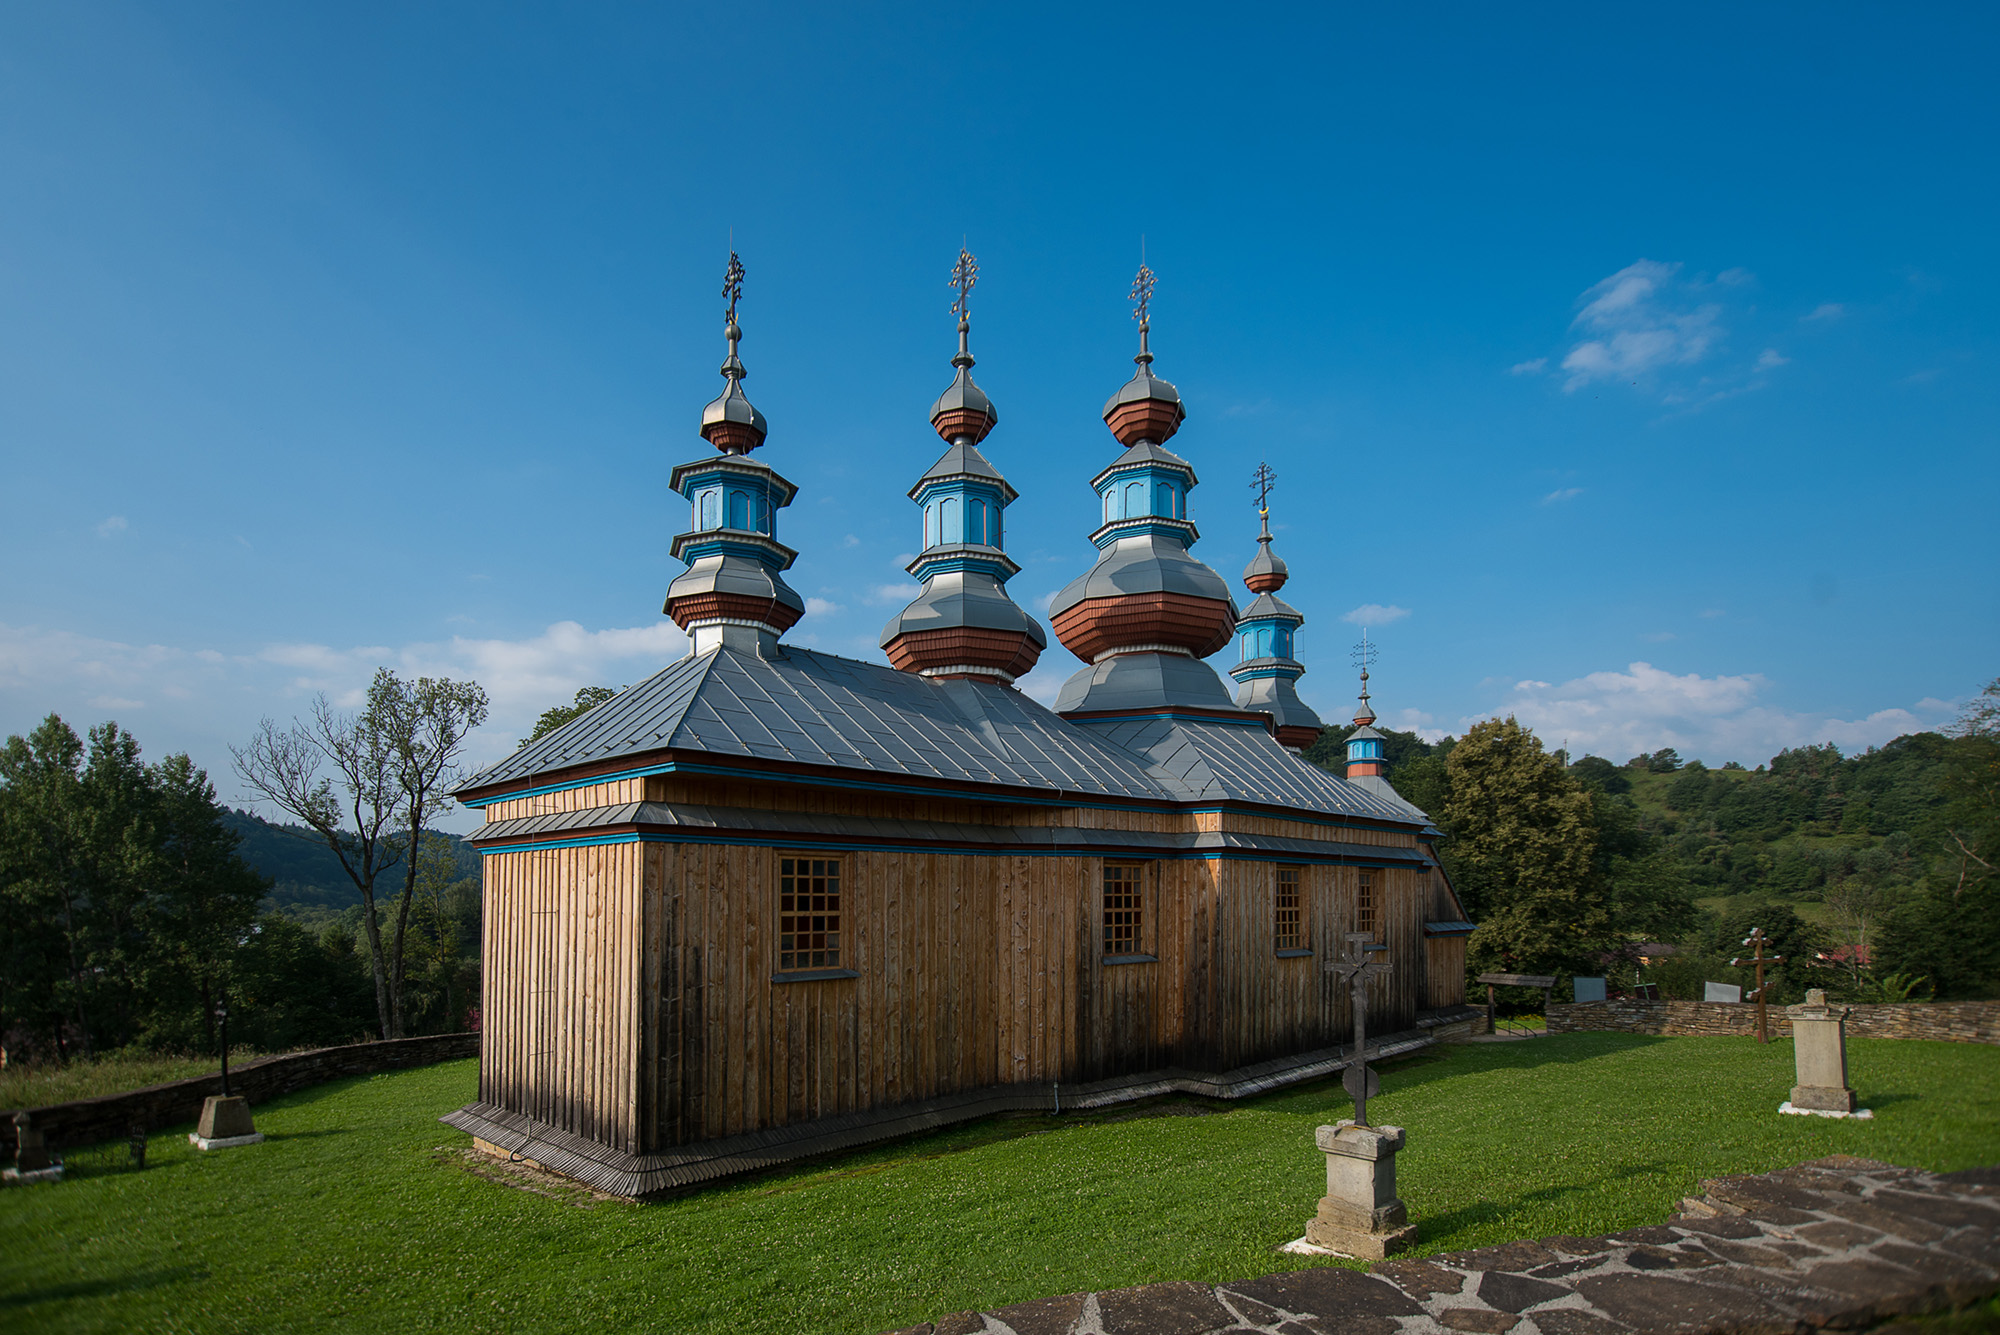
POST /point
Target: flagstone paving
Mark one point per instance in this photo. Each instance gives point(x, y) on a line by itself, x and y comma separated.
point(1839, 1242)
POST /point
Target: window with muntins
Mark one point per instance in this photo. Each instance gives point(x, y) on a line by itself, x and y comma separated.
point(1364, 903)
point(808, 913)
point(1123, 914)
point(1289, 922)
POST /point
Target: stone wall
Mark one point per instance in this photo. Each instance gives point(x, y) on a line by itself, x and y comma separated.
point(112, 1117)
point(1955, 1021)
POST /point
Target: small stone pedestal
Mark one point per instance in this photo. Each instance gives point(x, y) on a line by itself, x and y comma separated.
point(225, 1123)
point(32, 1162)
point(1819, 1043)
point(1360, 1215)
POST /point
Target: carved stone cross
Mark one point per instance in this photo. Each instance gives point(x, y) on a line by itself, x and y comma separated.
point(1356, 969)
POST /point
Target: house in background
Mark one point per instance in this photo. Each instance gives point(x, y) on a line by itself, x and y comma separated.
point(772, 902)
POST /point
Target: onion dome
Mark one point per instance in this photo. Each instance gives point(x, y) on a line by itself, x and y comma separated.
point(733, 592)
point(1146, 595)
point(963, 624)
point(730, 422)
point(1267, 672)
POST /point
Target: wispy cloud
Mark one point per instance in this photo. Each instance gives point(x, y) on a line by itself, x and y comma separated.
point(114, 524)
point(1826, 310)
point(1562, 494)
point(821, 607)
point(882, 595)
point(1376, 614)
point(1771, 358)
point(1642, 321)
point(1658, 636)
point(1534, 367)
point(1643, 708)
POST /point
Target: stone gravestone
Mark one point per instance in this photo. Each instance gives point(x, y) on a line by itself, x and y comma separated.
point(1360, 1214)
point(1819, 1044)
point(1721, 992)
point(32, 1162)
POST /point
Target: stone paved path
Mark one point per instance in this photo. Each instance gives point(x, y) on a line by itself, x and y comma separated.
point(1838, 1242)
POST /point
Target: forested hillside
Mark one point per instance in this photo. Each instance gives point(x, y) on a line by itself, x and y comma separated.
point(305, 876)
point(1873, 872)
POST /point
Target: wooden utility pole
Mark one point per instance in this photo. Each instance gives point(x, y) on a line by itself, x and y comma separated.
point(1757, 941)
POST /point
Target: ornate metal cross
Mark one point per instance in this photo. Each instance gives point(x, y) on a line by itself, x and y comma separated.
point(732, 284)
point(964, 277)
point(1142, 294)
point(1261, 482)
point(1355, 968)
point(1757, 941)
point(1364, 653)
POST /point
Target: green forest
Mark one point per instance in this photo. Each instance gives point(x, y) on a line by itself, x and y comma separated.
point(1873, 873)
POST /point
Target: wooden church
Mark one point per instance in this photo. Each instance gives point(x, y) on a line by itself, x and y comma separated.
point(772, 902)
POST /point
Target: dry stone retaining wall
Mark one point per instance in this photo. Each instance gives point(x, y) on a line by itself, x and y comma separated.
point(112, 1116)
point(1954, 1021)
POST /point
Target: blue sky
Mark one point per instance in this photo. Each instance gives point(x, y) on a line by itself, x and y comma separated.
point(1631, 370)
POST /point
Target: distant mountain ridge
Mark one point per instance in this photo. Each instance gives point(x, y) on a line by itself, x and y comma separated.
point(304, 872)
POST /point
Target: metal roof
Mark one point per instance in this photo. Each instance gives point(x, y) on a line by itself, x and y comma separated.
point(814, 708)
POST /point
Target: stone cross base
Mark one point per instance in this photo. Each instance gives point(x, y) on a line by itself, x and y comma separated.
point(53, 1173)
point(1360, 1215)
point(224, 1118)
point(1823, 1098)
point(202, 1142)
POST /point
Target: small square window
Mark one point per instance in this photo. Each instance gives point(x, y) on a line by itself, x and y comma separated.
point(1123, 914)
point(808, 913)
point(1289, 920)
point(1364, 903)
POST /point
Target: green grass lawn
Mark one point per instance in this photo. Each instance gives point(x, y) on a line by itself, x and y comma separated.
point(23, 1086)
point(359, 1213)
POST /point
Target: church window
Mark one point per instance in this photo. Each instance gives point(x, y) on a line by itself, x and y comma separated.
point(948, 525)
point(739, 510)
point(1135, 499)
point(1364, 903)
point(1288, 923)
point(1124, 910)
point(711, 511)
point(930, 526)
point(975, 521)
point(808, 913)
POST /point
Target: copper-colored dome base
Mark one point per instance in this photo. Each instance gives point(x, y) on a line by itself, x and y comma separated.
point(733, 437)
point(960, 422)
point(1095, 625)
point(1145, 419)
point(1296, 737)
point(1269, 581)
point(1007, 651)
point(734, 607)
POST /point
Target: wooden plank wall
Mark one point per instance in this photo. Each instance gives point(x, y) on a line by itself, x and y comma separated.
point(561, 953)
point(976, 971)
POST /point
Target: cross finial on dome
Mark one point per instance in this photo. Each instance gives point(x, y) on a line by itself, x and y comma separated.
point(731, 423)
point(964, 411)
point(1142, 307)
point(1261, 482)
point(964, 277)
point(1364, 658)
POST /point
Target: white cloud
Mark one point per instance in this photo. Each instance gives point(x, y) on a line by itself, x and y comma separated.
point(1642, 321)
point(821, 607)
point(1771, 358)
point(1826, 310)
point(1562, 494)
point(1046, 601)
point(114, 524)
point(883, 594)
point(1528, 367)
point(1640, 710)
point(201, 700)
point(1045, 682)
point(850, 541)
point(1376, 614)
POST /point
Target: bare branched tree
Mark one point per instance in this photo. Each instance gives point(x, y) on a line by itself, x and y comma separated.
point(425, 723)
point(393, 766)
point(286, 768)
